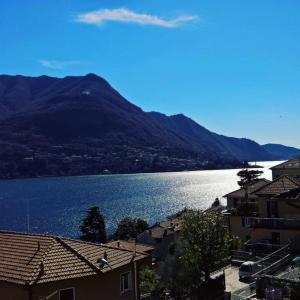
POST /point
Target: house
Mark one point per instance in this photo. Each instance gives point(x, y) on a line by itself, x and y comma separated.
point(238, 208)
point(290, 168)
point(161, 237)
point(273, 209)
point(36, 267)
point(279, 216)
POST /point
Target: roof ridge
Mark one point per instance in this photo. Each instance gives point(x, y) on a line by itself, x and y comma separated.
point(27, 233)
point(242, 188)
point(275, 180)
point(294, 180)
point(79, 255)
point(142, 244)
point(37, 273)
point(282, 163)
point(60, 237)
point(94, 244)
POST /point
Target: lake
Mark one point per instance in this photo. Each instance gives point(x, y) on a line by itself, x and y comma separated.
point(57, 204)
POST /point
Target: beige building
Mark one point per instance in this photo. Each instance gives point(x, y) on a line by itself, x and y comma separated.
point(290, 168)
point(279, 212)
point(35, 267)
point(273, 209)
point(238, 210)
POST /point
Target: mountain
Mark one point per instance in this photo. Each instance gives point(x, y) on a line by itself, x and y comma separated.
point(241, 149)
point(72, 108)
point(81, 125)
point(281, 151)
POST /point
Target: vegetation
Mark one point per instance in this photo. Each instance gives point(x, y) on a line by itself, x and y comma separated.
point(92, 228)
point(149, 280)
point(130, 228)
point(205, 247)
point(248, 177)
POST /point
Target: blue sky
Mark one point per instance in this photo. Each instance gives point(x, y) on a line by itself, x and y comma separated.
point(233, 66)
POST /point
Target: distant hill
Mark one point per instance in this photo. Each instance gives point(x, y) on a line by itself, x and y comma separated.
point(81, 125)
point(281, 151)
point(241, 149)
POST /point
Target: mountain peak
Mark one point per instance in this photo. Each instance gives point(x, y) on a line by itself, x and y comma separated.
point(92, 75)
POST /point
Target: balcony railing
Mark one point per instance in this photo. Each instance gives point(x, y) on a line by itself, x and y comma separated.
point(245, 209)
point(273, 223)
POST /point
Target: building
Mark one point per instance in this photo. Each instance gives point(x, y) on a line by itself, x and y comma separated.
point(272, 211)
point(290, 168)
point(162, 237)
point(36, 267)
point(238, 208)
point(279, 214)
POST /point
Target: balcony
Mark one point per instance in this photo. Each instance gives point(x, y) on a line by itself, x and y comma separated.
point(273, 223)
point(245, 209)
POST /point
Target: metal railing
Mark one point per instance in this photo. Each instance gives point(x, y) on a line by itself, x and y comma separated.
point(273, 223)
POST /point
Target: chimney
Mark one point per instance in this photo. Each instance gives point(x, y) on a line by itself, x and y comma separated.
point(105, 255)
point(39, 246)
point(118, 244)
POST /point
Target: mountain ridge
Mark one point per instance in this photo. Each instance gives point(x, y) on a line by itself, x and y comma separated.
point(81, 125)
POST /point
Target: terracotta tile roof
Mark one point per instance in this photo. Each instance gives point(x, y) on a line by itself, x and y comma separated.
point(290, 164)
point(290, 195)
point(240, 193)
point(278, 186)
point(141, 248)
point(33, 259)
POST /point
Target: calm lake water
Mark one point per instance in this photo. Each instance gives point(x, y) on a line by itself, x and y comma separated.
point(56, 205)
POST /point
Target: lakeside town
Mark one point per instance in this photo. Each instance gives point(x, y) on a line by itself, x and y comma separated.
point(248, 249)
point(78, 159)
point(149, 150)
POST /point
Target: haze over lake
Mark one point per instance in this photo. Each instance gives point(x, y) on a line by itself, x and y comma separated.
point(56, 205)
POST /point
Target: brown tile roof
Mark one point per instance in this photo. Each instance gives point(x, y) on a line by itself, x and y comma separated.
point(131, 246)
point(290, 164)
point(290, 195)
point(33, 259)
point(240, 193)
point(278, 186)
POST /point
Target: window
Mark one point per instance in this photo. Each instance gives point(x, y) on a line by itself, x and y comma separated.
point(67, 294)
point(125, 282)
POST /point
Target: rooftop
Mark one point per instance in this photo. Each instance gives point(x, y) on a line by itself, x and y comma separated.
point(131, 246)
point(290, 164)
point(278, 186)
point(33, 259)
point(293, 194)
point(240, 193)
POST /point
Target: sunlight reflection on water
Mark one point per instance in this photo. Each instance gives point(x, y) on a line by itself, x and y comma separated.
point(56, 205)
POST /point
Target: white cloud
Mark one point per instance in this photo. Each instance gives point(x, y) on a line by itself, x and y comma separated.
point(59, 64)
point(124, 15)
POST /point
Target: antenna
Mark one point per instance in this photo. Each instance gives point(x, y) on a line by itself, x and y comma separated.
point(27, 215)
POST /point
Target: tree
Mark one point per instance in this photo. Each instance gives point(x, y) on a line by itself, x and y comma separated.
point(149, 280)
point(247, 178)
point(130, 228)
point(92, 227)
point(205, 247)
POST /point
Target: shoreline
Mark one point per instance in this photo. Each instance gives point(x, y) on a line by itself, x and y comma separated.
point(126, 174)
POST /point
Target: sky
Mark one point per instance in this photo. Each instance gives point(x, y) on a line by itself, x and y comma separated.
point(233, 66)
